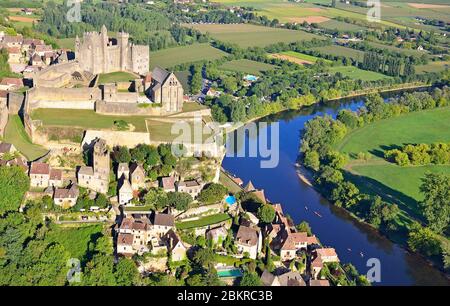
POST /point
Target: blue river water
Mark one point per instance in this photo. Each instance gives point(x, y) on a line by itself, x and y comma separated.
point(353, 241)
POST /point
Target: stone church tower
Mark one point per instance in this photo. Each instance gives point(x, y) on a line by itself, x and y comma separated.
point(97, 53)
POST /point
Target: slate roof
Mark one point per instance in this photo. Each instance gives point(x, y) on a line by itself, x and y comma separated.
point(163, 219)
point(160, 75)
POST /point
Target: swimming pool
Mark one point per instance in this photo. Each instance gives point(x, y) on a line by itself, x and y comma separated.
point(229, 273)
point(230, 200)
point(250, 78)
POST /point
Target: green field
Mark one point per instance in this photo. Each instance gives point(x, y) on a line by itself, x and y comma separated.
point(15, 134)
point(433, 67)
point(186, 54)
point(395, 183)
point(247, 35)
point(396, 49)
point(66, 43)
point(305, 57)
point(118, 76)
point(358, 74)
point(247, 66)
point(341, 51)
point(76, 240)
point(213, 219)
point(87, 119)
point(340, 26)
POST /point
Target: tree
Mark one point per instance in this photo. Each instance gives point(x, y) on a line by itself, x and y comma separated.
point(126, 272)
point(311, 160)
point(436, 204)
point(304, 227)
point(179, 200)
point(121, 154)
point(212, 193)
point(424, 240)
point(156, 198)
point(204, 257)
point(101, 201)
point(345, 194)
point(250, 279)
point(13, 185)
point(238, 112)
point(266, 213)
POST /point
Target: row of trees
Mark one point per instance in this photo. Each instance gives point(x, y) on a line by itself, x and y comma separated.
point(420, 154)
point(320, 136)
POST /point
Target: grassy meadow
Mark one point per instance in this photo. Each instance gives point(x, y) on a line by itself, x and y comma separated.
point(358, 74)
point(246, 66)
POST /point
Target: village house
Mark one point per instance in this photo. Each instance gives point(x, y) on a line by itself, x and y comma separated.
point(10, 84)
point(290, 278)
point(295, 242)
point(42, 175)
point(193, 187)
point(168, 183)
point(248, 241)
point(96, 177)
point(327, 254)
point(217, 235)
point(137, 177)
point(66, 197)
point(14, 55)
point(258, 193)
point(17, 161)
point(162, 223)
point(176, 247)
point(123, 171)
point(12, 41)
point(125, 192)
point(7, 148)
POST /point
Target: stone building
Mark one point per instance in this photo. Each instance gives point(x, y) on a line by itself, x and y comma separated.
point(66, 197)
point(97, 53)
point(125, 192)
point(43, 176)
point(97, 176)
point(166, 89)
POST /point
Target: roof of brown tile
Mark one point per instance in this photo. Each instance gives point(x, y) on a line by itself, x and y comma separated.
point(126, 239)
point(66, 193)
point(168, 182)
point(163, 219)
point(55, 174)
point(247, 235)
point(291, 278)
point(5, 147)
point(326, 252)
point(40, 168)
point(319, 282)
point(12, 81)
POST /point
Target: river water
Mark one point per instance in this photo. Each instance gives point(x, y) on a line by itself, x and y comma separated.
point(335, 228)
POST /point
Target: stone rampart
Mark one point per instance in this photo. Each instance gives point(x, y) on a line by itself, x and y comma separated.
point(126, 109)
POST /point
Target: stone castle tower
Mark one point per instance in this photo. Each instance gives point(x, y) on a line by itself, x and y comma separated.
point(97, 53)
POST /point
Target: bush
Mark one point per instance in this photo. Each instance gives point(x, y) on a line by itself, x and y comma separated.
point(212, 193)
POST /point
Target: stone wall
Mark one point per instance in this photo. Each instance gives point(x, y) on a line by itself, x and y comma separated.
point(64, 98)
point(15, 102)
point(118, 108)
point(3, 117)
point(115, 138)
point(57, 75)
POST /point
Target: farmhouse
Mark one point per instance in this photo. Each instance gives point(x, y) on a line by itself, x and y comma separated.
point(42, 175)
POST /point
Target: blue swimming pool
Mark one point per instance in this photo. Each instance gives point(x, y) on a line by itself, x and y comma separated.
point(230, 200)
point(250, 78)
point(229, 273)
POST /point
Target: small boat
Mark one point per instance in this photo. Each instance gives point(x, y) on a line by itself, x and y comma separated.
point(317, 214)
point(348, 249)
point(306, 207)
point(361, 253)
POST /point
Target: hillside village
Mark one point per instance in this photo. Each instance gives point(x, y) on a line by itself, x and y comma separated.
point(158, 210)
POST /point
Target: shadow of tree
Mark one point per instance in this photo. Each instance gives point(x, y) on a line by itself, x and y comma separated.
point(374, 187)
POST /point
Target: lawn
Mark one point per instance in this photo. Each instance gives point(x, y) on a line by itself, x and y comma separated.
point(396, 49)
point(247, 35)
point(78, 241)
point(433, 67)
point(341, 51)
point(118, 76)
point(162, 130)
point(395, 184)
point(66, 43)
point(246, 66)
point(303, 57)
point(358, 74)
point(15, 134)
point(87, 119)
point(341, 26)
point(171, 57)
point(213, 219)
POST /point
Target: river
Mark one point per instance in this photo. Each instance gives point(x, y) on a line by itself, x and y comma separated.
point(335, 228)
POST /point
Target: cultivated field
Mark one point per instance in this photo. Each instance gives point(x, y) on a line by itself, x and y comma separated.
point(15, 134)
point(376, 175)
point(246, 35)
point(179, 55)
point(341, 51)
point(246, 66)
point(433, 67)
point(296, 57)
point(358, 74)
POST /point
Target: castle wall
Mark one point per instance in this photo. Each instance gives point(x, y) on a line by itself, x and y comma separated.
point(3, 117)
point(63, 98)
point(57, 75)
point(15, 102)
point(118, 108)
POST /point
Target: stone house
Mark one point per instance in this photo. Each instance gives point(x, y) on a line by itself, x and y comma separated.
point(166, 90)
point(176, 247)
point(123, 170)
point(162, 223)
point(193, 187)
point(290, 278)
point(217, 235)
point(327, 255)
point(125, 192)
point(42, 175)
point(96, 177)
point(66, 197)
point(168, 183)
point(248, 240)
point(11, 84)
point(295, 242)
point(14, 55)
point(7, 148)
point(137, 177)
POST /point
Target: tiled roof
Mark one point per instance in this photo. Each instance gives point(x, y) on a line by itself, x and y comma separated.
point(66, 193)
point(291, 279)
point(126, 239)
point(326, 252)
point(5, 147)
point(40, 168)
point(247, 235)
point(163, 219)
point(159, 74)
point(86, 170)
point(168, 182)
point(319, 282)
point(55, 174)
point(12, 81)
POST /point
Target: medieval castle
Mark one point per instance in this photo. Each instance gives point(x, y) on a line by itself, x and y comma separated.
point(97, 53)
